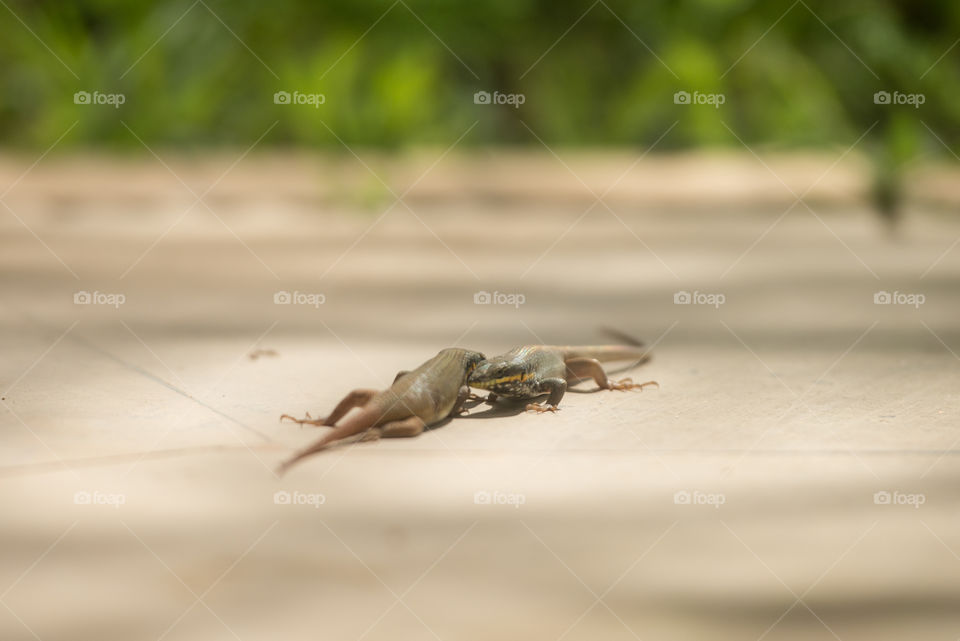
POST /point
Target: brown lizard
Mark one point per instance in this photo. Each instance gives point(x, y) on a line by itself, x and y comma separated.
point(533, 370)
point(416, 400)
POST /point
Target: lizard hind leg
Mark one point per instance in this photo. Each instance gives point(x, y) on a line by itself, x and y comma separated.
point(356, 398)
point(358, 423)
point(403, 428)
point(591, 368)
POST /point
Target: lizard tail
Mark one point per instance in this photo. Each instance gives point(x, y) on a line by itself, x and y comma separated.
point(629, 349)
point(607, 353)
point(353, 424)
point(623, 337)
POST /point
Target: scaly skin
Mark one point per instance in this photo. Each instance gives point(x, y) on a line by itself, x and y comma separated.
point(533, 370)
point(416, 400)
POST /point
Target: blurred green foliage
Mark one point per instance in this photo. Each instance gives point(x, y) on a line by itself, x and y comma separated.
point(395, 74)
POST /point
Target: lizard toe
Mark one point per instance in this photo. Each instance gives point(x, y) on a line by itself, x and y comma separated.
point(306, 421)
point(540, 409)
point(628, 384)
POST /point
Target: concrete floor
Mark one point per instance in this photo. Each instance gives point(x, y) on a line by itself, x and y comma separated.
point(738, 501)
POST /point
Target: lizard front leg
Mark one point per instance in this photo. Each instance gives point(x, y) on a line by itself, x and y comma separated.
point(556, 387)
point(491, 398)
point(591, 368)
point(462, 397)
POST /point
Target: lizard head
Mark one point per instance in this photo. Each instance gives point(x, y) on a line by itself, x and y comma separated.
point(473, 360)
point(497, 375)
point(469, 358)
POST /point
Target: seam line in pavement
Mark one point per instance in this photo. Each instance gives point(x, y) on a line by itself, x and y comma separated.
point(168, 385)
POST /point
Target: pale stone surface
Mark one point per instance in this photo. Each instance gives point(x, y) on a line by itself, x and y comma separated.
point(792, 403)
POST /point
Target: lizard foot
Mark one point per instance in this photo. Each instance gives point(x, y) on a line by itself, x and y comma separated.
point(309, 420)
point(627, 383)
point(540, 409)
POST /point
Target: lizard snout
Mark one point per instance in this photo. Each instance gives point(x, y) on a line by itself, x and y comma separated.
point(478, 372)
point(494, 376)
point(484, 374)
